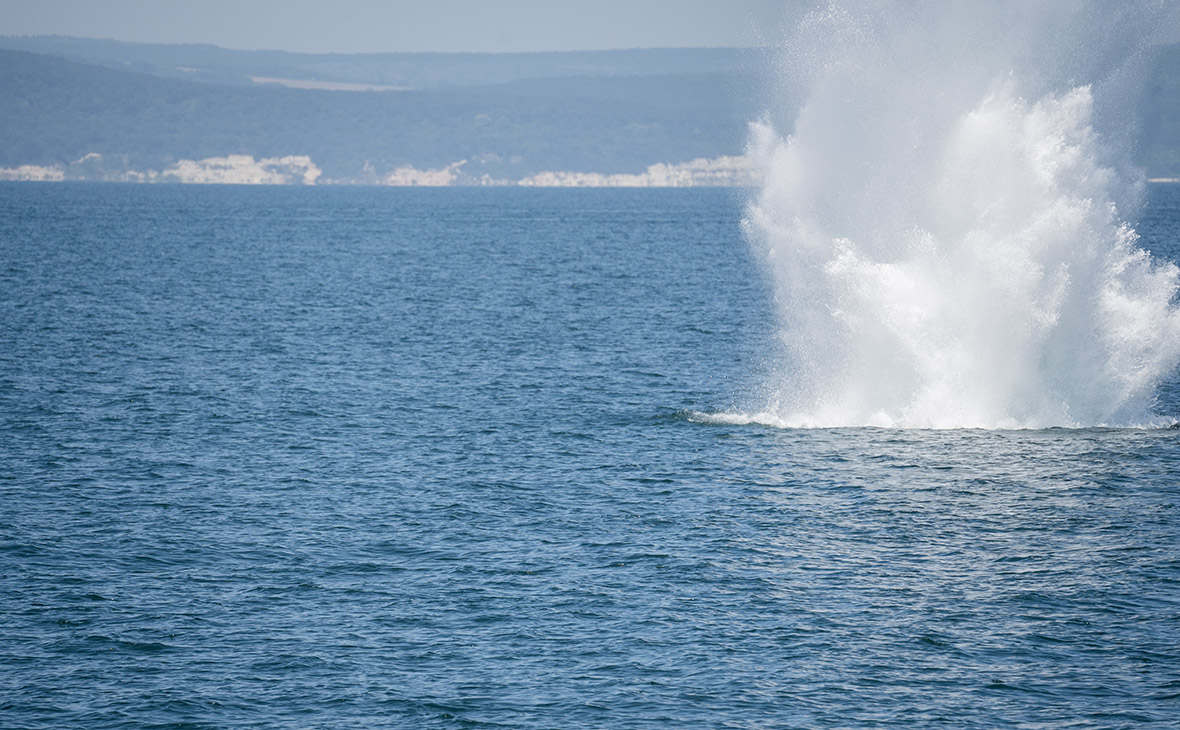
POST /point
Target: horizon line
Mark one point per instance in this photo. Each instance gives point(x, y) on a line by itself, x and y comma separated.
point(201, 44)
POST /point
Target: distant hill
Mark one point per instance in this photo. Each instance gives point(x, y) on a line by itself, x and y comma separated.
point(1159, 112)
point(54, 111)
point(211, 64)
point(108, 110)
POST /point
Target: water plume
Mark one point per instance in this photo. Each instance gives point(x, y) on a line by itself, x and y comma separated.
point(946, 222)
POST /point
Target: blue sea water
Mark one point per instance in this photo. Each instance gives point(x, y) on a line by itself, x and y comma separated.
point(361, 458)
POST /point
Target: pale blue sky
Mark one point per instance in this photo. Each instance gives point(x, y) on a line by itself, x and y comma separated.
point(354, 26)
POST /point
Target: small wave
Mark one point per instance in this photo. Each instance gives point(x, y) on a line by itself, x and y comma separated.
point(773, 420)
point(731, 418)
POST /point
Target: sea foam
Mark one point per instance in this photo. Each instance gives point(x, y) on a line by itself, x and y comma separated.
point(946, 222)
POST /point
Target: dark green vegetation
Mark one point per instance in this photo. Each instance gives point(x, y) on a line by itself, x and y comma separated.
point(145, 106)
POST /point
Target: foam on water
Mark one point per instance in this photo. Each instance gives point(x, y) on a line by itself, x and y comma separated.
point(946, 223)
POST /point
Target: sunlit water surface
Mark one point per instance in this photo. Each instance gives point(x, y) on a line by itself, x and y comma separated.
point(444, 459)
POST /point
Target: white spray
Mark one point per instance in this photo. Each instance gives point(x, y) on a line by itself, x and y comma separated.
point(944, 223)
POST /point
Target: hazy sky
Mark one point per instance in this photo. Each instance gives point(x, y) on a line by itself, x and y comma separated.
point(354, 26)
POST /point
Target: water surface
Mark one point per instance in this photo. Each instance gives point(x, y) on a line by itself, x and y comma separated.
point(276, 457)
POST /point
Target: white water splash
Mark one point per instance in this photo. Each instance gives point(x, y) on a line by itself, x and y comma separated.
point(945, 223)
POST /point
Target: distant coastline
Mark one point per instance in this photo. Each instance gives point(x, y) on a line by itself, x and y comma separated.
point(90, 110)
point(724, 171)
point(94, 110)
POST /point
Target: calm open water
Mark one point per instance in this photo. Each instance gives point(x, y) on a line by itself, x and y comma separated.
point(360, 458)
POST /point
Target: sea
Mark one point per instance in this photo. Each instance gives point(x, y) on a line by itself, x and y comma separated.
point(279, 457)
